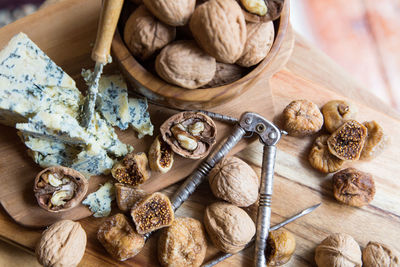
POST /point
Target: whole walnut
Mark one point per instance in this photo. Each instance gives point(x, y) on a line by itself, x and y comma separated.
point(183, 63)
point(171, 12)
point(218, 26)
point(338, 250)
point(61, 245)
point(260, 37)
point(377, 254)
point(144, 34)
point(226, 74)
point(233, 180)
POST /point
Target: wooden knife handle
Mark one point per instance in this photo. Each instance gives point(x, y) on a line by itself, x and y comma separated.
point(109, 16)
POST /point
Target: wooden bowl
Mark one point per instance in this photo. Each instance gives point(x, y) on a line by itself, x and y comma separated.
point(157, 90)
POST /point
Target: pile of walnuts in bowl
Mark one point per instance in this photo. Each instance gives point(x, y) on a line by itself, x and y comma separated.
point(201, 44)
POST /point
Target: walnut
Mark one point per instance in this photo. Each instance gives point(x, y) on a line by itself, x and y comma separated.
point(184, 243)
point(59, 188)
point(353, 187)
point(180, 133)
point(171, 12)
point(62, 244)
point(338, 250)
point(348, 140)
point(127, 196)
point(280, 247)
point(119, 238)
point(234, 181)
point(226, 74)
point(219, 28)
point(302, 117)
point(375, 142)
point(258, 7)
point(132, 169)
point(144, 34)
point(152, 212)
point(260, 37)
point(254, 11)
point(161, 156)
point(229, 227)
point(137, 2)
point(183, 63)
point(321, 158)
point(377, 254)
point(336, 112)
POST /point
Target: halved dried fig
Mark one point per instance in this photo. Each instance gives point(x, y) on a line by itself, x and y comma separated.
point(152, 213)
point(132, 169)
point(321, 158)
point(190, 134)
point(127, 196)
point(161, 156)
point(256, 11)
point(59, 188)
point(280, 247)
point(336, 112)
point(347, 142)
point(375, 142)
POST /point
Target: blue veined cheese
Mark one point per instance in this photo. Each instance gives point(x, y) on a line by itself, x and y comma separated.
point(99, 202)
point(140, 117)
point(43, 146)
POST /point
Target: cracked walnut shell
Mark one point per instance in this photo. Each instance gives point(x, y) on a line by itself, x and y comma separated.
point(377, 254)
point(336, 112)
point(127, 196)
point(184, 243)
point(281, 245)
point(338, 250)
point(161, 156)
point(184, 64)
point(302, 117)
point(255, 12)
point(119, 238)
point(353, 187)
point(62, 244)
point(132, 169)
point(321, 158)
point(375, 142)
point(152, 212)
point(144, 34)
point(218, 26)
point(171, 12)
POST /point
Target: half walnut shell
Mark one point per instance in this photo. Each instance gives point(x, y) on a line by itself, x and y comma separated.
point(274, 10)
point(190, 134)
point(59, 188)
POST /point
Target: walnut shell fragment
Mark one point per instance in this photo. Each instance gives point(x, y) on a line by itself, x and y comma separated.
point(62, 244)
point(218, 26)
point(353, 187)
point(184, 243)
point(302, 117)
point(171, 12)
point(127, 196)
point(348, 140)
point(273, 10)
point(230, 228)
point(59, 188)
point(226, 74)
point(321, 158)
point(132, 169)
point(161, 156)
point(190, 134)
point(375, 142)
point(119, 238)
point(152, 212)
point(144, 34)
point(336, 112)
point(281, 245)
point(338, 250)
point(377, 254)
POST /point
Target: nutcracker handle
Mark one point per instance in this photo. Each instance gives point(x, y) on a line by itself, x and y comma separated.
point(264, 208)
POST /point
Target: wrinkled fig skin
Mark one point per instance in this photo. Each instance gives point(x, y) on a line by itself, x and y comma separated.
point(218, 26)
point(376, 141)
point(127, 196)
point(281, 245)
point(206, 139)
point(184, 64)
point(226, 74)
point(321, 159)
point(44, 191)
point(377, 254)
point(336, 112)
point(171, 12)
point(132, 169)
point(274, 10)
point(161, 156)
point(144, 34)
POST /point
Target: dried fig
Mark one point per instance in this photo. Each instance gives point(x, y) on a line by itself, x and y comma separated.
point(254, 11)
point(321, 158)
point(218, 26)
point(336, 112)
point(302, 117)
point(144, 34)
point(171, 12)
point(127, 196)
point(348, 140)
point(62, 244)
point(152, 212)
point(161, 156)
point(353, 187)
point(280, 247)
point(375, 142)
point(59, 188)
point(226, 74)
point(260, 37)
point(119, 238)
point(190, 134)
point(377, 254)
point(184, 243)
point(132, 169)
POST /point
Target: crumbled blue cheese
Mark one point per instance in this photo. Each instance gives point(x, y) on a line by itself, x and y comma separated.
point(140, 117)
point(93, 161)
point(99, 202)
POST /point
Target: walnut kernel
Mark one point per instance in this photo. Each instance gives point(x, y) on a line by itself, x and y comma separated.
point(257, 7)
point(375, 142)
point(132, 169)
point(280, 247)
point(377, 254)
point(321, 158)
point(336, 112)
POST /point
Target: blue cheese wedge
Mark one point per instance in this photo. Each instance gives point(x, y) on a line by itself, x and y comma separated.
point(140, 117)
point(93, 161)
point(99, 202)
